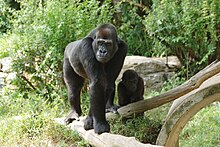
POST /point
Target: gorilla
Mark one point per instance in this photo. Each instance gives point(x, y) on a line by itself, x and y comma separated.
point(131, 88)
point(99, 58)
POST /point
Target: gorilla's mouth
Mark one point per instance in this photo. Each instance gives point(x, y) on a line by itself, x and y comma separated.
point(103, 59)
point(102, 56)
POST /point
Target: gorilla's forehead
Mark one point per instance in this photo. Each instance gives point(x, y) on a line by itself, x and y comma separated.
point(130, 74)
point(105, 33)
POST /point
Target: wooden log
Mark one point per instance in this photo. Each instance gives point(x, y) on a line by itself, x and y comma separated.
point(104, 139)
point(193, 83)
point(184, 108)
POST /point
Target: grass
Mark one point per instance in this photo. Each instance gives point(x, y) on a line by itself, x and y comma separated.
point(7, 45)
point(203, 129)
point(30, 122)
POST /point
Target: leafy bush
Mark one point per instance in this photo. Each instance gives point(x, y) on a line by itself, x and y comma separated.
point(189, 29)
point(44, 29)
point(132, 30)
point(5, 13)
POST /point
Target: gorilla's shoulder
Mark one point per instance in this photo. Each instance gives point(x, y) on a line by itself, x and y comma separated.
point(87, 40)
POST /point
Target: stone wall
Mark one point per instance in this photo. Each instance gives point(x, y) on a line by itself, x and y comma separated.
point(154, 71)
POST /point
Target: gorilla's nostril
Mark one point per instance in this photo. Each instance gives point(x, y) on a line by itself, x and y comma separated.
point(103, 51)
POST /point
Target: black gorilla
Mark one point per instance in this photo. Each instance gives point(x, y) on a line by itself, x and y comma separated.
point(99, 58)
point(131, 88)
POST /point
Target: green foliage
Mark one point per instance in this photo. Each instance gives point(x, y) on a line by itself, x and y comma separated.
point(5, 16)
point(142, 128)
point(173, 82)
point(6, 44)
point(44, 29)
point(187, 28)
point(132, 30)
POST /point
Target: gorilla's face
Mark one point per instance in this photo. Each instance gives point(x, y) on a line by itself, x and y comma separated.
point(130, 80)
point(104, 50)
point(105, 45)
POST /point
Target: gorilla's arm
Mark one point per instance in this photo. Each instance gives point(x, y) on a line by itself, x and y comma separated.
point(138, 94)
point(122, 97)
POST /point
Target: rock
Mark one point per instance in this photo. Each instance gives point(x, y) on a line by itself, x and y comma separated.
point(2, 83)
point(10, 77)
point(5, 74)
point(154, 71)
point(6, 64)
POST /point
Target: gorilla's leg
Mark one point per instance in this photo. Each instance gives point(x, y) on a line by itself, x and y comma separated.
point(97, 108)
point(88, 124)
point(115, 63)
point(74, 85)
point(110, 94)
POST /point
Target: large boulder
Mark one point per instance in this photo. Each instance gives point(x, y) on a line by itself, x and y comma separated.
point(6, 76)
point(154, 71)
point(5, 64)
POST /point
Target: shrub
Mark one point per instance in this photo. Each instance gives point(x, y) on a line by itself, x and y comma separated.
point(5, 14)
point(132, 30)
point(189, 29)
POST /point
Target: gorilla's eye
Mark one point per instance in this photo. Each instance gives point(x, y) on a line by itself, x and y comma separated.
point(101, 42)
point(108, 43)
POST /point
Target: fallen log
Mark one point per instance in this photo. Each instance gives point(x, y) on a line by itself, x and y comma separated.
point(104, 139)
point(184, 108)
point(193, 83)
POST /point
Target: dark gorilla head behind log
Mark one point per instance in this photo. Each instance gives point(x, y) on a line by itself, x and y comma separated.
point(131, 88)
point(99, 58)
point(130, 80)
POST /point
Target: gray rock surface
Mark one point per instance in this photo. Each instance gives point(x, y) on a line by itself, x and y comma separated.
point(154, 71)
point(6, 76)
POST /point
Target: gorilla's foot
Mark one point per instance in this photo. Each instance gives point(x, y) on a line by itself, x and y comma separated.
point(101, 127)
point(112, 109)
point(88, 123)
point(71, 117)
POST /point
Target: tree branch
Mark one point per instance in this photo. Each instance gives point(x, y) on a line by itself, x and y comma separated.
point(29, 83)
